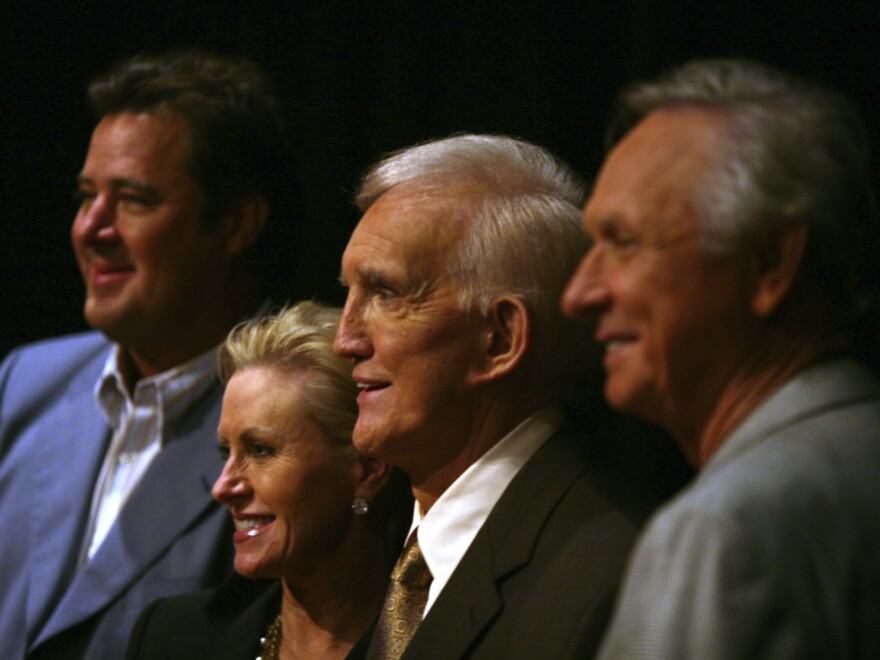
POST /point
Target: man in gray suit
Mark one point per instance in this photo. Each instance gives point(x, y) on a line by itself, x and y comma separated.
point(454, 274)
point(733, 226)
point(107, 438)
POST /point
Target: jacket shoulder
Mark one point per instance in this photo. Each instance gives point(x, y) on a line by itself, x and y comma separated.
point(223, 622)
point(32, 369)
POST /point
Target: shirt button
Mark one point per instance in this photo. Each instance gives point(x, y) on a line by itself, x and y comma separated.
point(124, 458)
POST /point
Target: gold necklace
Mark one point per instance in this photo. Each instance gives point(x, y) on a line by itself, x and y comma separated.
point(271, 643)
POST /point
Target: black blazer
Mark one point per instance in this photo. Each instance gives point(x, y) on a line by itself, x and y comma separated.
point(225, 623)
point(540, 578)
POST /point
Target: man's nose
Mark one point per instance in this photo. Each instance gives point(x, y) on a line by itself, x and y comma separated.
point(96, 220)
point(351, 340)
point(586, 291)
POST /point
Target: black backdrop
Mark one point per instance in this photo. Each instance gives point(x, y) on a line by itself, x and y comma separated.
point(362, 78)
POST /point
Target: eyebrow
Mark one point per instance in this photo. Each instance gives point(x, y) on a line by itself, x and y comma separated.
point(121, 182)
point(369, 276)
point(374, 278)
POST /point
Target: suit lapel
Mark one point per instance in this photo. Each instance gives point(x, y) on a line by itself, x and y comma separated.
point(61, 499)
point(166, 502)
point(240, 618)
point(827, 384)
point(471, 599)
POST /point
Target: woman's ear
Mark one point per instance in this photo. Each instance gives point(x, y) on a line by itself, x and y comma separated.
point(244, 222)
point(372, 475)
point(508, 337)
point(777, 267)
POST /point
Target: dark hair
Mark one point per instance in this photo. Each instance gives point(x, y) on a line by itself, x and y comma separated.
point(794, 152)
point(239, 137)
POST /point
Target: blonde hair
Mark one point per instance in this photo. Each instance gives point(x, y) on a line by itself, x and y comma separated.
point(299, 340)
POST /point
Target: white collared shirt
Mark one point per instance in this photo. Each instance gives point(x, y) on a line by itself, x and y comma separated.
point(449, 528)
point(140, 424)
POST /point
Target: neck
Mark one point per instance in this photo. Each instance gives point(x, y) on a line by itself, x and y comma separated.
point(326, 613)
point(769, 365)
point(493, 421)
point(189, 337)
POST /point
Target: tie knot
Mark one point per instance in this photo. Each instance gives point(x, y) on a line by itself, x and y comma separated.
point(411, 569)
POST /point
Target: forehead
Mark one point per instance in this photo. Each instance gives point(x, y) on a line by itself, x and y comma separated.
point(416, 227)
point(248, 387)
point(147, 142)
point(656, 168)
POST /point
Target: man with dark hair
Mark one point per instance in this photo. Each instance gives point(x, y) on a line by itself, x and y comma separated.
point(733, 226)
point(107, 448)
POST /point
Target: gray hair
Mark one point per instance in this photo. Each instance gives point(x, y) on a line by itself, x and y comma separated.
point(299, 341)
point(524, 236)
point(793, 153)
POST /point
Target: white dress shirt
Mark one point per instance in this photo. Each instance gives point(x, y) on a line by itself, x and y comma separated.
point(140, 424)
point(447, 530)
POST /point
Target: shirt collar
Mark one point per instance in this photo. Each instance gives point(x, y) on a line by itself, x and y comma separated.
point(171, 392)
point(447, 530)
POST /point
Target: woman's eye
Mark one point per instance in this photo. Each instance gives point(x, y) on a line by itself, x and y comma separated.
point(262, 451)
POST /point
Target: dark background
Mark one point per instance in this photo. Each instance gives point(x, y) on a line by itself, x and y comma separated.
point(362, 78)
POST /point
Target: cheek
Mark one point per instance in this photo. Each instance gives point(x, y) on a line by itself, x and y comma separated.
point(319, 511)
point(391, 341)
point(138, 244)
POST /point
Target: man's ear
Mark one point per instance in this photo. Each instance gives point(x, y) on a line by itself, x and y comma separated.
point(777, 264)
point(372, 475)
point(243, 222)
point(507, 339)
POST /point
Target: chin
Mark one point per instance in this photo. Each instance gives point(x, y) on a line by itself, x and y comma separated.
point(253, 569)
point(105, 318)
point(365, 442)
point(625, 399)
point(617, 398)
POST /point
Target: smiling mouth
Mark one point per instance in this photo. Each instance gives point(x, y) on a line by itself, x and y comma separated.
point(616, 344)
point(101, 274)
point(248, 528)
point(365, 387)
point(252, 523)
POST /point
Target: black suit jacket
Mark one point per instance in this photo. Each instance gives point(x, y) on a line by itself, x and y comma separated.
point(222, 623)
point(225, 623)
point(541, 575)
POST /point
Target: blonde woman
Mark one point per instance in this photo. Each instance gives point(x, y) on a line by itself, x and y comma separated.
point(316, 523)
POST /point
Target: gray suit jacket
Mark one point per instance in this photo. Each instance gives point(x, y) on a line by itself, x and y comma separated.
point(170, 538)
point(774, 550)
point(540, 577)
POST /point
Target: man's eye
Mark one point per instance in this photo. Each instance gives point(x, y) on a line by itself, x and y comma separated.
point(619, 240)
point(135, 202)
point(624, 241)
point(223, 450)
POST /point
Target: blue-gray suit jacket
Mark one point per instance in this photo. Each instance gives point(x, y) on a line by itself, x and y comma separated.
point(170, 538)
point(774, 550)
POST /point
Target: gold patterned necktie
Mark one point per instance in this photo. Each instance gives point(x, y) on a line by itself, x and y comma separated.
point(404, 604)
